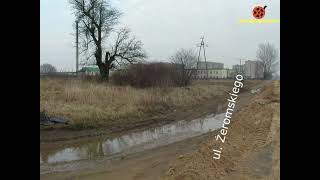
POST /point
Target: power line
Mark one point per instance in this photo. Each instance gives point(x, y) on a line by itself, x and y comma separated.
point(202, 45)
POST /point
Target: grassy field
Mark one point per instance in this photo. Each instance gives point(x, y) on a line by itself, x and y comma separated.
point(92, 104)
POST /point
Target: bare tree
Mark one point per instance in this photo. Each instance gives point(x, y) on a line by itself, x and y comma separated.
point(96, 20)
point(47, 68)
point(125, 50)
point(268, 55)
point(185, 61)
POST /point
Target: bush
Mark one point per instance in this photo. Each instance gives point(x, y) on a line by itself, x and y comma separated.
point(267, 75)
point(146, 75)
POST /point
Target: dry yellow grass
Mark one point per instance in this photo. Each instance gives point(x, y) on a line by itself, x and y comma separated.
point(90, 104)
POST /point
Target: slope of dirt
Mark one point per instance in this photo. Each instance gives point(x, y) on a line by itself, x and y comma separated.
point(250, 151)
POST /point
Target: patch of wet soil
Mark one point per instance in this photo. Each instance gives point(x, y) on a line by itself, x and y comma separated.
point(186, 113)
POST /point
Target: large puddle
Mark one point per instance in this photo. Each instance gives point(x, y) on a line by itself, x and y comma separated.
point(134, 142)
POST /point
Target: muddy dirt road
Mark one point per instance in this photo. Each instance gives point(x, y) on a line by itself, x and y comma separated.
point(146, 154)
point(250, 151)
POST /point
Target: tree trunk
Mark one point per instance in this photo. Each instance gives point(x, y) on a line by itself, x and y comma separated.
point(103, 67)
point(183, 76)
point(104, 72)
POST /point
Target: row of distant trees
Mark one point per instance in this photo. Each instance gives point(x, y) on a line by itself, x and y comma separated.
point(47, 68)
point(97, 20)
point(182, 69)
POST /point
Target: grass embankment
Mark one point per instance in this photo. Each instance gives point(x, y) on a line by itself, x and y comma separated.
point(92, 104)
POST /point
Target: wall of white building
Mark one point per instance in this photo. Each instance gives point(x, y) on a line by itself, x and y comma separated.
point(212, 74)
point(210, 65)
point(253, 69)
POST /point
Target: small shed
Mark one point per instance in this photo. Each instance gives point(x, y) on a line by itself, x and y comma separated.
point(90, 70)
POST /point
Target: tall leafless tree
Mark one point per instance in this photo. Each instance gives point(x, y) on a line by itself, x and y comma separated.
point(268, 55)
point(125, 50)
point(185, 61)
point(96, 20)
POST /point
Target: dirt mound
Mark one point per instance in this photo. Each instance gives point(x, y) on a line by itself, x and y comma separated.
point(252, 139)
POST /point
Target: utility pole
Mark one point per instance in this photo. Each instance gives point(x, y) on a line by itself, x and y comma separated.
point(204, 54)
point(77, 47)
point(240, 67)
point(205, 58)
point(199, 57)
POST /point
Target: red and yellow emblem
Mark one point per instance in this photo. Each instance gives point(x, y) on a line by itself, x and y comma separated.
point(259, 12)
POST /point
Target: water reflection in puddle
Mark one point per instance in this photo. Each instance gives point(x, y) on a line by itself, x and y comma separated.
point(136, 141)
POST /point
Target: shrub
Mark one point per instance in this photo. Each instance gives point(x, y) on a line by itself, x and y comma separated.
point(146, 75)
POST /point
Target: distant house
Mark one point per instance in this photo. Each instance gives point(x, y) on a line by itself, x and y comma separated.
point(231, 73)
point(253, 69)
point(250, 69)
point(212, 73)
point(90, 70)
point(93, 70)
point(210, 65)
point(211, 70)
point(238, 67)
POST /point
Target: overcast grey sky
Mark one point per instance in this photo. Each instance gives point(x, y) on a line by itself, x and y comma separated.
point(164, 26)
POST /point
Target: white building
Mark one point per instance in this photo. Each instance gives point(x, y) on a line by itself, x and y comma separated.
point(238, 68)
point(210, 70)
point(231, 73)
point(250, 69)
point(253, 69)
point(211, 74)
point(210, 65)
